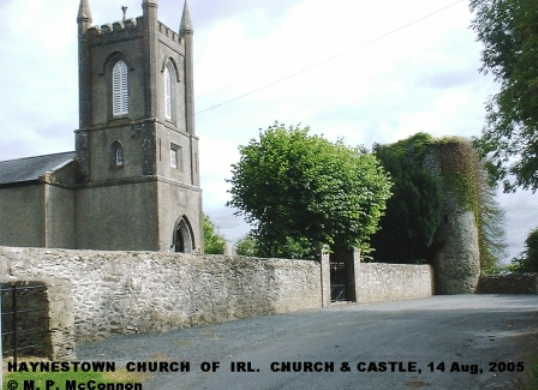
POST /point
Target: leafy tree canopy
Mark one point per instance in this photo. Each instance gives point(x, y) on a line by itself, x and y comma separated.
point(509, 31)
point(531, 262)
point(247, 246)
point(304, 191)
point(213, 242)
point(529, 259)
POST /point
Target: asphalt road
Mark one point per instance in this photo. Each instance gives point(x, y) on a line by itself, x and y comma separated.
point(445, 342)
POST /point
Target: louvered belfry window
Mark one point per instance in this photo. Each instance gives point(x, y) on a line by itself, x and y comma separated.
point(168, 92)
point(120, 89)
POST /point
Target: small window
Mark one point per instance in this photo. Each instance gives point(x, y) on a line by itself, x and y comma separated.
point(176, 158)
point(173, 158)
point(117, 158)
point(120, 89)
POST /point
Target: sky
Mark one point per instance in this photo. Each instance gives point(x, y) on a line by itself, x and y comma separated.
point(360, 70)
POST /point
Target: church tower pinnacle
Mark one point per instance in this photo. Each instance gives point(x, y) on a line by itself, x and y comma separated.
point(84, 20)
point(84, 13)
point(186, 31)
point(186, 22)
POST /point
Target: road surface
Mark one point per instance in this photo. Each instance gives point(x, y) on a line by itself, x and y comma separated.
point(444, 342)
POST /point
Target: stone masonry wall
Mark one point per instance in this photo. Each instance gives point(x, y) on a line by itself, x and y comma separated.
point(137, 292)
point(390, 282)
point(94, 295)
point(380, 282)
point(509, 284)
point(44, 318)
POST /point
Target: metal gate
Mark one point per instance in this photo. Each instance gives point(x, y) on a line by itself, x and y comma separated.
point(19, 330)
point(338, 281)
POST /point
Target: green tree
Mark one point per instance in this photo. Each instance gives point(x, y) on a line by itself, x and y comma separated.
point(414, 211)
point(529, 259)
point(509, 31)
point(213, 242)
point(532, 251)
point(246, 246)
point(303, 191)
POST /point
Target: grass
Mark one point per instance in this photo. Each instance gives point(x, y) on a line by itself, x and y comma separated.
point(120, 375)
point(533, 373)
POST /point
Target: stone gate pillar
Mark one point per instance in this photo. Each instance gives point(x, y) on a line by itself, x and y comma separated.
point(325, 277)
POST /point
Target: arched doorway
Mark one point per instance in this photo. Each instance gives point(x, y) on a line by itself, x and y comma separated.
point(183, 237)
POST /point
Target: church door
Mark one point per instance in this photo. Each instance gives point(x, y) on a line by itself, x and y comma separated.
point(179, 243)
point(183, 237)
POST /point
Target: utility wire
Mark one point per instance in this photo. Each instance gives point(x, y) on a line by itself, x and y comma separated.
point(236, 81)
point(327, 60)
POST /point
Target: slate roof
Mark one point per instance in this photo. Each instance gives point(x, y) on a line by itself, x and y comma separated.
point(32, 168)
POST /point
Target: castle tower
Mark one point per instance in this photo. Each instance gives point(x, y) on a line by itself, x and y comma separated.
point(137, 152)
point(457, 256)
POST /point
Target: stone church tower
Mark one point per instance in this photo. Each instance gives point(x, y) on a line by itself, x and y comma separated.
point(133, 182)
point(137, 171)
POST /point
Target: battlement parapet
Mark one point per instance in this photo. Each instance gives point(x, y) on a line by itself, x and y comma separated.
point(169, 33)
point(130, 27)
point(119, 26)
point(117, 31)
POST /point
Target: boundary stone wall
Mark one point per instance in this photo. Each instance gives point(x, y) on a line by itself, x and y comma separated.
point(379, 282)
point(95, 295)
point(140, 292)
point(509, 284)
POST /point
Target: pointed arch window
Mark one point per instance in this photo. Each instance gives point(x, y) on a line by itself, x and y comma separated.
point(120, 88)
point(169, 76)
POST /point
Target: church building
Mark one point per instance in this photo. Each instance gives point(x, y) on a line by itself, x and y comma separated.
point(133, 182)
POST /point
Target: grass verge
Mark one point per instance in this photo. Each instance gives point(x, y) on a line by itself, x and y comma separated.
point(533, 374)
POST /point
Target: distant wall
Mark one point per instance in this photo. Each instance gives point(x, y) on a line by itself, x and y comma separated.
point(378, 282)
point(390, 282)
point(508, 284)
point(137, 292)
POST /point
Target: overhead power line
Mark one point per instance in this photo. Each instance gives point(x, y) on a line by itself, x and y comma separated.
point(328, 59)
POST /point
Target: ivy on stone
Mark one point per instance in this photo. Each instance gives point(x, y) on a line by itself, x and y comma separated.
point(414, 212)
